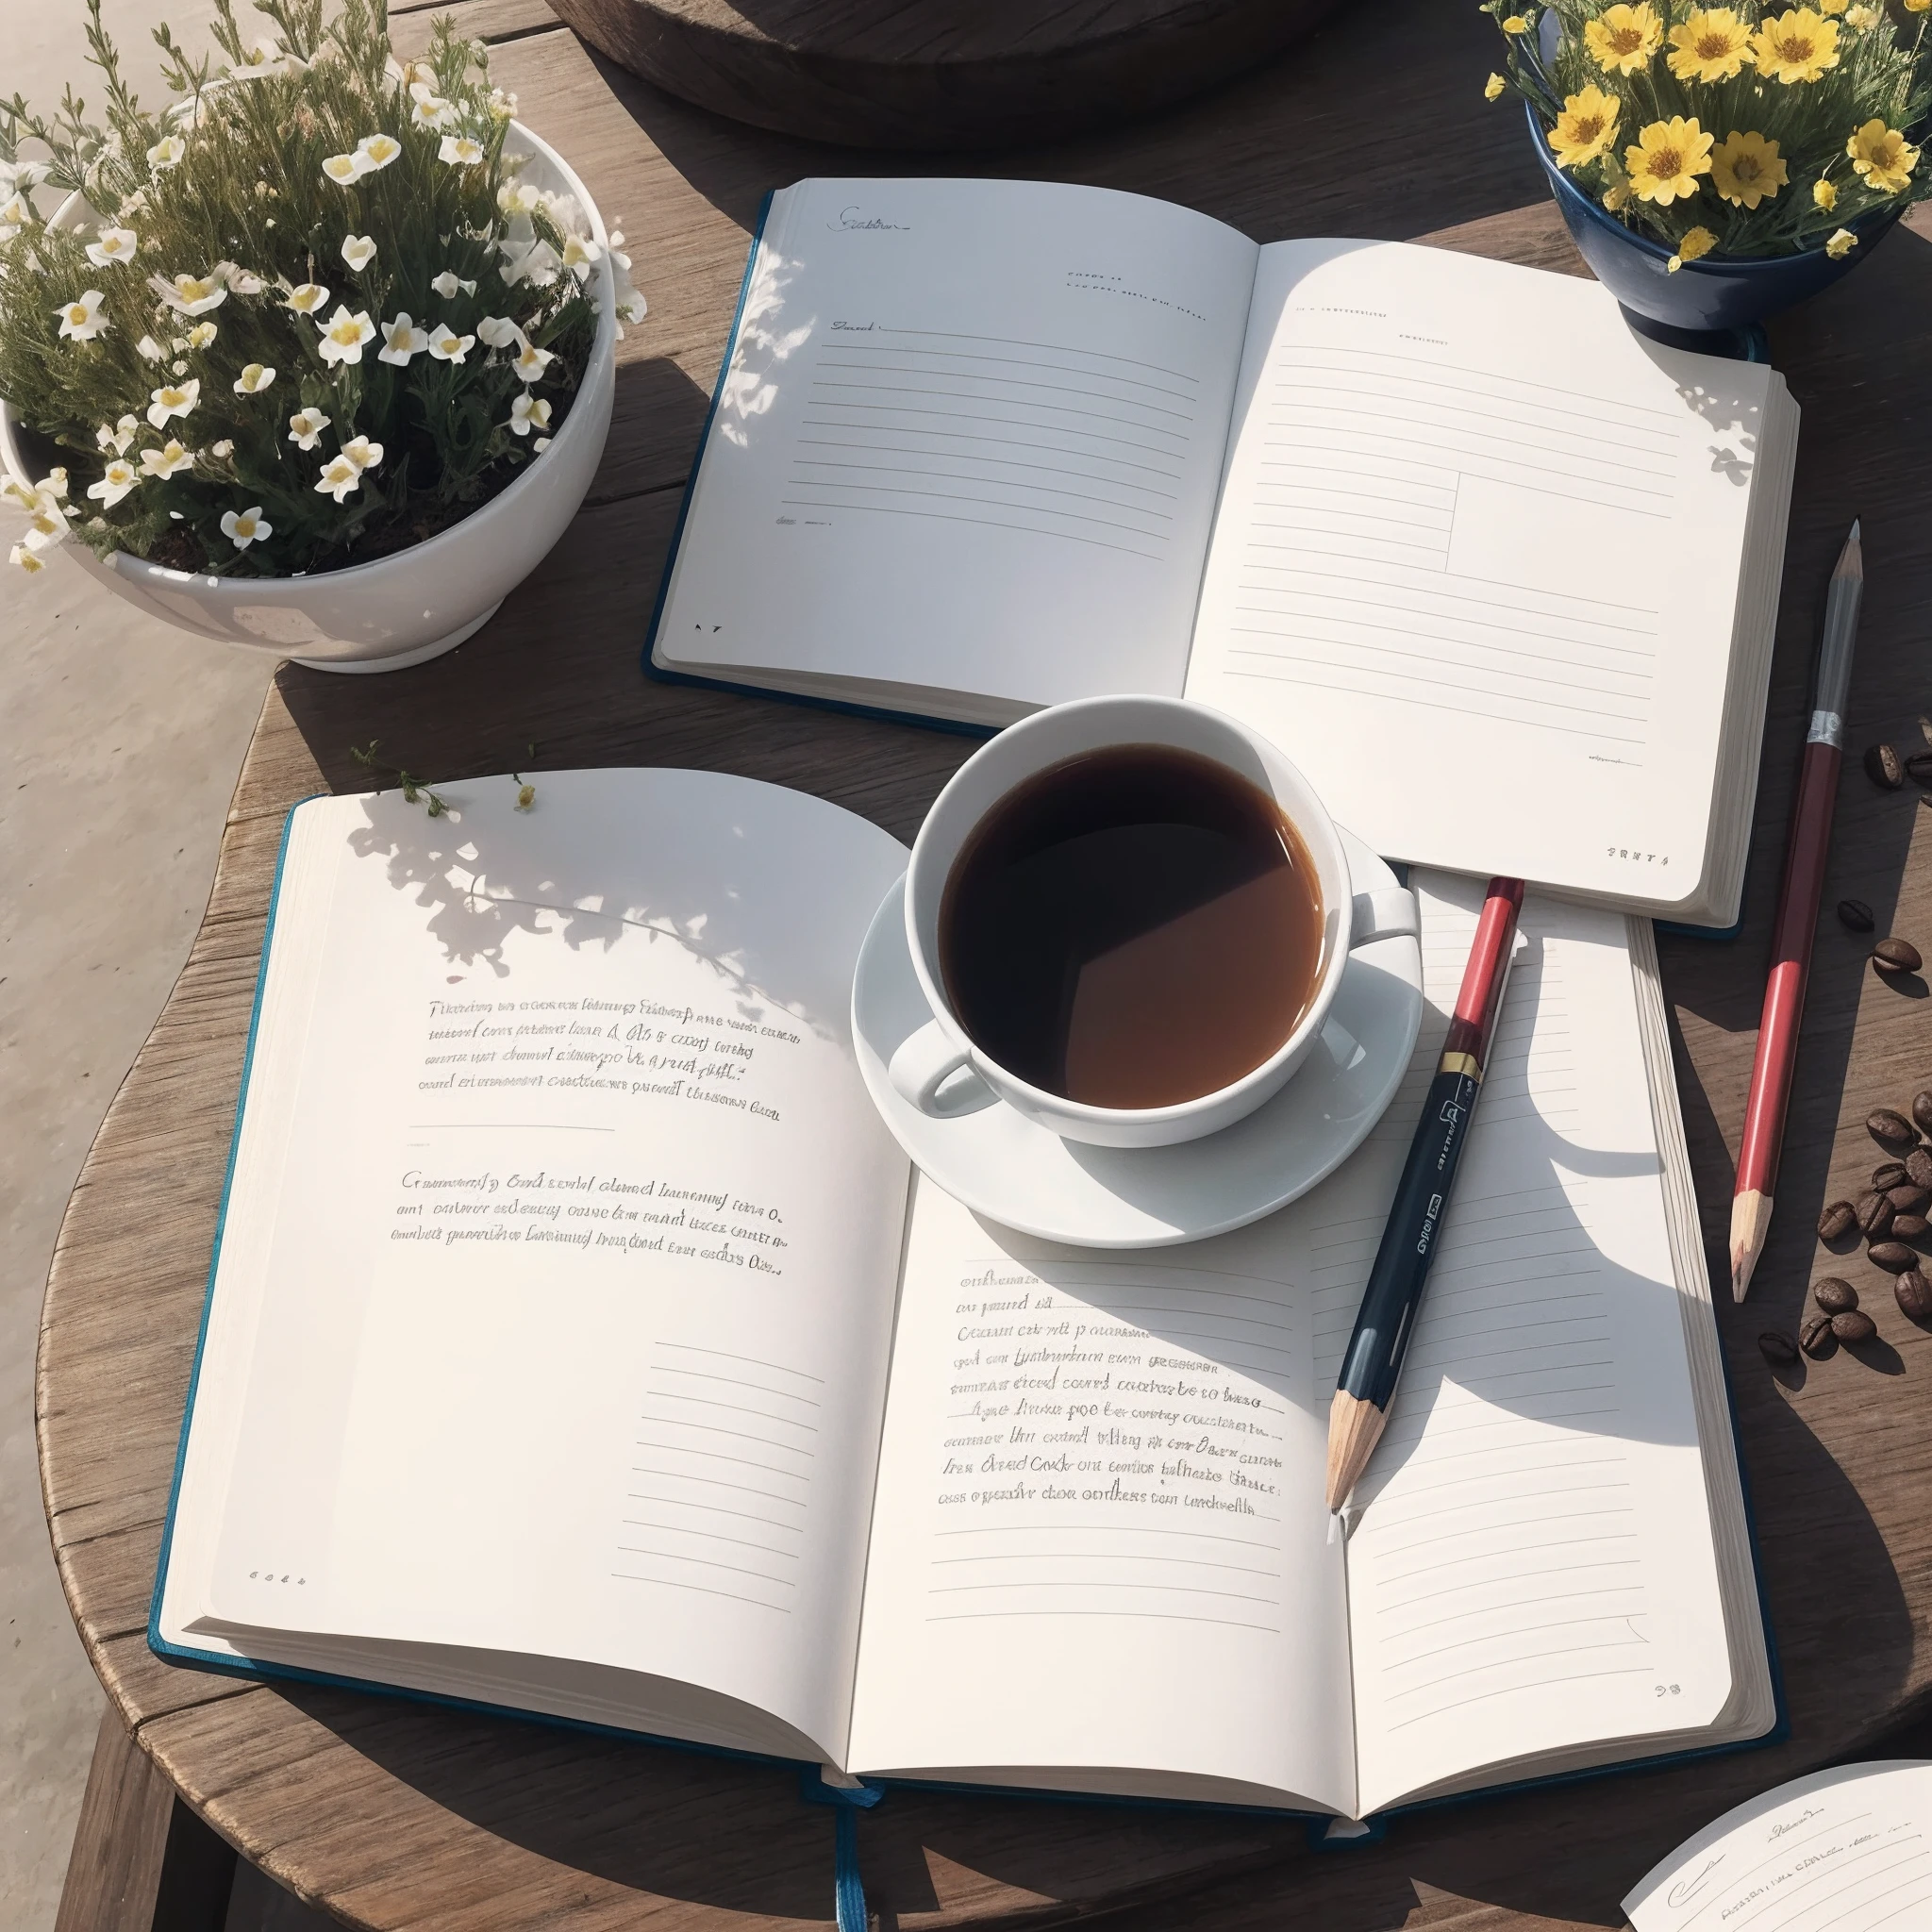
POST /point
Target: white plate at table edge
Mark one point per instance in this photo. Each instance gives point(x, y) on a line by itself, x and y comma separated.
point(1004, 1167)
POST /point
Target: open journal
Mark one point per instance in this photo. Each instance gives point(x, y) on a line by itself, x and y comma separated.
point(579, 1341)
point(980, 446)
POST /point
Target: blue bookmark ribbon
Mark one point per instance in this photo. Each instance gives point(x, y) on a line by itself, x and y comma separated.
point(847, 1802)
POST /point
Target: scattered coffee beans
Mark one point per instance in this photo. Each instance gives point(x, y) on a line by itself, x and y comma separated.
point(1856, 916)
point(1875, 1216)
point(1884, 766)
point(1836, 1221)
point(1914, 1294)
point(1853, 1326)
point(1921, 1112)
point(1919, 768)
point(1896, 956)
point(1910, 1227)
point(1834, 1297)
point(1816, 1338)
point(1919, 1167)
point(1893, 1257)
point(1888, 1174)
point(1906, 1198)
point(1891, 1129)
point(1778, 1348)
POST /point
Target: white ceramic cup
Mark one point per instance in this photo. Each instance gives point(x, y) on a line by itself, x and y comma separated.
point(942, 1070)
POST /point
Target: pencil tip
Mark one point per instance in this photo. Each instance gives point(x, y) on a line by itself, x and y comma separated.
point(1854, 537)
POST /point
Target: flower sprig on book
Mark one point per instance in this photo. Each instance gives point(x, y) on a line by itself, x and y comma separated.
point(1743, 131)
point(311, 313)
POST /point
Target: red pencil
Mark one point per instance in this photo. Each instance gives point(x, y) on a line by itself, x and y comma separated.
point(1797, 915)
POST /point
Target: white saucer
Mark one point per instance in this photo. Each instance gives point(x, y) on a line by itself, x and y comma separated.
point(1004, 1167)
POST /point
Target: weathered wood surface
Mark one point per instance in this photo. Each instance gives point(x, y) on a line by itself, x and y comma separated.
point(401, 1816)
point(938, 74)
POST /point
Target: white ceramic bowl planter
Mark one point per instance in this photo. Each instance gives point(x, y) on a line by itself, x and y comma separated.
point(409, 607)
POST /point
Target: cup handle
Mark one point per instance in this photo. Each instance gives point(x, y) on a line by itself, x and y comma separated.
point(925, 1063)
point(1385, 914)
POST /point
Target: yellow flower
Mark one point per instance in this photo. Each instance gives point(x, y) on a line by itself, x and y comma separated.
point(1841, 244)
point(1881, 155)
point(1917, 5)
point(1831, 5)
point(1712, 43)
point(1824, 195)
point(1516, 24)
point(1747, 169)
point(1616, 194)
point(1493, 88)
point(1797, 45)
point(1667, 159)
point(1586, 126)
point(1863, 18)
point(1622, 38)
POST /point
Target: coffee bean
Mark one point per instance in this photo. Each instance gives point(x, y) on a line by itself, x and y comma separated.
point(1833, 1296)
point(1855, 1324)
point(1874, 1213)
point(1856, 916)
point(1882, 764)
point(1921, 1112)
point(1891, 1129)
point(1896, 956)
point(1836, 1221)
point(1919, 768)
point(1914, 1294)
point(1888, 1174)
point(1893, 1257)
point(1778, 1348)
point(1907, 1199)
point(1910, 1227)
point(1919, 1167)
point(1816, 1338)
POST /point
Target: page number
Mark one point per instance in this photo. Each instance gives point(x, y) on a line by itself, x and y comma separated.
point(1670, 1690)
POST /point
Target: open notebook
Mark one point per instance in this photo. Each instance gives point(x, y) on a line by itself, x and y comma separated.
point(1498, 573)
point(578, 1341)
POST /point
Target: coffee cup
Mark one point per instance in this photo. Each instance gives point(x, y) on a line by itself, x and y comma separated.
point(943, 1070)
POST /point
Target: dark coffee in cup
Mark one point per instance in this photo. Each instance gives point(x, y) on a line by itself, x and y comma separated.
point(1133, 927)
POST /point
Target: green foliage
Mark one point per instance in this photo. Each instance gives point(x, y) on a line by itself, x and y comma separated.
point(1879, 74)
point(228, 188)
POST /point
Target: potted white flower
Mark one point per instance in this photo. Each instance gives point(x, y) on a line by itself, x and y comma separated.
point(322, 360)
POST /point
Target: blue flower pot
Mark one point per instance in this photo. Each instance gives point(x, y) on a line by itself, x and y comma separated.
point(1716, 294)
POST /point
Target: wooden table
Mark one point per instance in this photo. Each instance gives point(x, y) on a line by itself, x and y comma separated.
point(397, 1815)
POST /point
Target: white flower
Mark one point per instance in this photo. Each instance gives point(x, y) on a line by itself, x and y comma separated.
point(222, 449)
point(21, 176)
point(527, 258)
point(119, 437)
point(498, 331)
point(166, 460)
point(85, 319)
point(345, 169)
point(448, 282)
point(447, 346)
point(23, 559)
point(530, 361)
point(254, 380)
point(528, 410)
point(150, 348)
point(503, 105)
point(167, 152)
point(136, 204)
point(55, 482)
point(264, 56)
point(16, 213)
point(344, 336)
point(580, 255)
point(170, 401)
point(359, 251)
point(402, 339)
point(179, 368)
point(338, 477)
point(378, 150)
point(112, 245)
point(201, 335)
point(459, 151)
point(119, 477)
point(517, 198)
point(362, 453)
point(46, 520)
point(190, 295)
point(246, 529)
point(242, 281)
point(431, 110)
point(633, 308)
point(306, 426)
point(307, 298)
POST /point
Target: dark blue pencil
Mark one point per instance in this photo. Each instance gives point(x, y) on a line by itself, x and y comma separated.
point(1386, 1317)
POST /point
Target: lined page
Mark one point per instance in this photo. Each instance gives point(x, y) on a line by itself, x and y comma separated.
point(974, 431)
point(1467, 505)
point(1840, 1851)
point(1099, 1549)
point(1531, 1566)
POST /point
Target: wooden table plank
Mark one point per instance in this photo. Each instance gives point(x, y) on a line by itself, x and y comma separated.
point(400, 1815)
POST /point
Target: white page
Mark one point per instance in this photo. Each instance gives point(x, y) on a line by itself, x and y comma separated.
point(1099, 1546)
point(1475, 525)
point(1533, 1564)
point(576, 1284)
point(1840, 1851)
point(972, 433)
